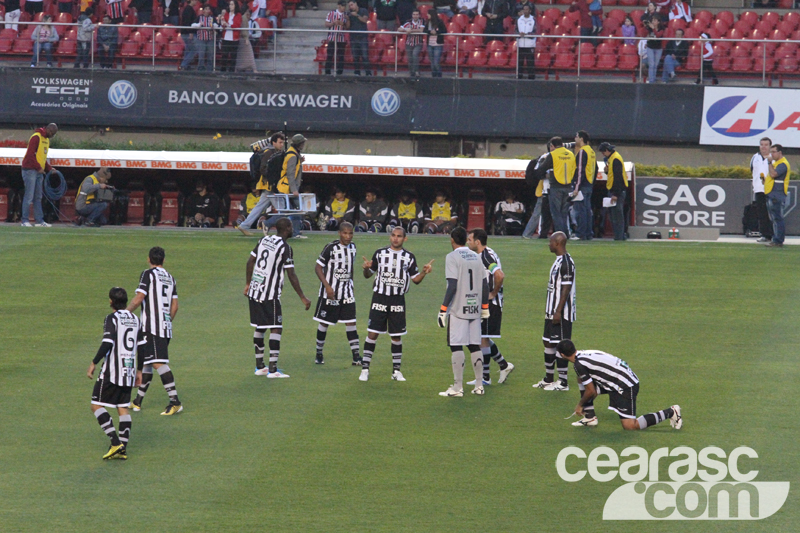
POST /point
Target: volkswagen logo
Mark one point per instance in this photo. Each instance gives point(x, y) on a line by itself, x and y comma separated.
point(385, 102)
point(122, 94)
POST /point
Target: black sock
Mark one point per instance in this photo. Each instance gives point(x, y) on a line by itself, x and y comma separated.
point(497, 356)
point(107, 425)
point(651, 419)
point(274, 350)
point(168, 380)
point(563, 368)
point(352, 338)
point(486, 352)
point(124, 428)
point(258, 342)
point(549, 364)
point(369, 349)
point(397, 354)
point(322, 332)
point(147, 377)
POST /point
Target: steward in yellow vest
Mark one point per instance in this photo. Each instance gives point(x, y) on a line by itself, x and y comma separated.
point(617, 186)
point(776, 187)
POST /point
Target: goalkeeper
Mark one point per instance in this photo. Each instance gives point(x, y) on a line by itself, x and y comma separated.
point(465, 303)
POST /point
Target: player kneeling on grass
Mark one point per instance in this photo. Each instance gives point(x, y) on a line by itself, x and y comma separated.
point(337, 300)
point(466, 301)
point(269, 260)
point(602, 373)
point(118, 375)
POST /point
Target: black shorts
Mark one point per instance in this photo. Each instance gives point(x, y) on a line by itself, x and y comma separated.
point(154, 349)
point(333, 311)
point(266, 314)
point(110, 395)
point(555, 333)
point(490, 327)
point(624, 404)
point(387, 314)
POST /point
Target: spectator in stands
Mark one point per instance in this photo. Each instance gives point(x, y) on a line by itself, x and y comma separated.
point(171, 11)
point(372, 213)
point(144, 10)
point(509, 214)
point(406, 213)
point(254, 34)
point(415, 30)
point(274, 10)
point(675, 56)
point(654, 48)
point(43, 37)
point(596, 11)
point(337, 22)
point(202, 208)
point(65, 6)
point(436, 31)
point(405, 9)
point(339, 209)
point(585, 20)
point(207, 25)
point(629, 30)
point(359, 42)
point(446, 7)
point(441, 217)
point(707, 66)
point(34, 6)
point(650, 14)
point(230, 21)
point(386, 14)
point(519, 6)
point(107, 38)
point(12, 14)
point(617, 186)
point(259, 9)
point(85, 36)
point(468, 8)
point(495, 12)
point(526, 44)
point(188, 34)
point(90, 210)
point(305, 3)
point(767, 4)
point(680, 10)
point(245, 58)
point(34, 165)
point(116, 10)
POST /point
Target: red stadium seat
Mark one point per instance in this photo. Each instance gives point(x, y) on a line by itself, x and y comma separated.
point(636, 15)
point(628, 61)
point(129, 49)
point(498, 59)
point(722, 61)
point(385, 38)
point(161, 39)
point(8, 34)
point(375, 54)
point(564, 59)
point(787, 64)
point(764, 26)
point(124, 32)
point(677, 24)
point(699, 25)
point(461, 19)
point(566, 22)
point(6, 45)
point(495, 46)
point(170, 32)
point(746, 45)
point(389, 55)
point(612, 25)
point(618, 14)
point(64, 18)
point(371, 25)
point(606, 61)
point(786, 27)
point(758, 35)
point(588, 60)
point(796, 35)
point(785, 4)
point(66, 48)
point(546, 26)
point(173, 49)
point(628, 3)
point(606, 48)
point(742, 64)
point(543, 59)
point(628, 50)
point(708, 16)
point(759, 60)
point(739, 51)
point(553, 14)
point(777, 35)
point(750, 17)
point(480, 21)
point(453, 27)
point(423, 11)
point(39, 17)
point(137, 37)
point(736, 33)
point(450, 57)
point(574, 16)
point(771, 17)
point(23, 46)
point(322, 52)
point(784, 51)
point(792, 18)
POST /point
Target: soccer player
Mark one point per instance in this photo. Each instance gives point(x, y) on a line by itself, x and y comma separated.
point(118, 375)
point(466, 302)
point(337, 302)
point(157, 294)
point(490, 327)
point(602, 373)
point(269, 261)
point(559, 313)
point(394, 267)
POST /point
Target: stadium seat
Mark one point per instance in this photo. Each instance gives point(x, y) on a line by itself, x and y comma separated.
point(564, 59)
point(759, 61)
point(722, 62)
point(64, 18)
point(606, 61)
point(612, 25)
point(322, 53)
point(764, 26)
point(450, 57)
point(786, 27)
point(787, 64)
point(792, 18)
point(606, 48)
point(460, 19)
point(129, 49)
point(543, 59)
point(784, 50)
point(708, 16)
point(470, 44)
point(387, 39)
point(498, 58)
point(636, 15)
point(124, 33)
point(628, 61)
point(777, 35)
point(423, 11)
point(796, 35)
point(8, 34)
point(480, 22)
point(677, 24)
point(137, 37)
point(22, 46)
point(371, 25)
point(170, 32)
point(771, 17)
point(39, 17)
point(389, 55)
point(735, 33)
point(173, 49)
point(699, 25)
point(588, 60)
point(552, 13)
point(742, 64)
point(758, 35)
point(724, 15)
point(628, 3)
point(785, 4)
point(6, 45)
point(618, 14)
point(66, 48)
point(751, 17)
point(495, 46)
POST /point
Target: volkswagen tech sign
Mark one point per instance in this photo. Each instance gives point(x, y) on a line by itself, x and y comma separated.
point(739, 116)
point(385, 102)
point(122, 94)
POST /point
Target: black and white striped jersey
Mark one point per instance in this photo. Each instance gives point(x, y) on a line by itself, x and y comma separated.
point(122, 332)
point(273, 256)
point(393, 271)
point(562, 274)
point(337, 262)
point(491, 262)
point(159, 289)
point(608, 372)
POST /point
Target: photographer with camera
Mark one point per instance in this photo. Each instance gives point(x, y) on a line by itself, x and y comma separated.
point(93, 198)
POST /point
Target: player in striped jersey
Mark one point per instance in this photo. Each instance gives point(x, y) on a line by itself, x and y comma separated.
point(602, 373)
point(269, 261)
point(337, 302)
point(476, 240)
point(394, 268)
point(157, 294)
point(559, 313)
point(118, 375)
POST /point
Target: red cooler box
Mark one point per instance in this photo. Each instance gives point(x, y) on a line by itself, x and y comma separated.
point(236, 205)
point(135, 208)
point(476, 215)
point(169, 209)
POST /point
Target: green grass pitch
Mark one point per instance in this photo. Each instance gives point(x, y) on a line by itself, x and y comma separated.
point(713, 327)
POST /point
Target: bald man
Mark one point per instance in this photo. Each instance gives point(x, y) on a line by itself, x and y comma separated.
point(87, 205)
point(559, 313)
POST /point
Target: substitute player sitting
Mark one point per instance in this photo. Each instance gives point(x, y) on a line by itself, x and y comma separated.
point(394, 268)
point(466, 301)
point(602, 373)
point(118, 375)
point(269, 261)
point(337, 301)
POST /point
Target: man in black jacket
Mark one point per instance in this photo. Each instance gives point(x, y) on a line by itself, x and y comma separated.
point(201, 208)
point(496, 12)
point(190, 50)
point(674, 56)
point(617, 185)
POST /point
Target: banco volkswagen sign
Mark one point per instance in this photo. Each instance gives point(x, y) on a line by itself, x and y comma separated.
point(122, 94)
point(385, 102)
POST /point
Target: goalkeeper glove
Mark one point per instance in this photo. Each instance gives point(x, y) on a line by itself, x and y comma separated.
point(485, 311)
point(442, 319)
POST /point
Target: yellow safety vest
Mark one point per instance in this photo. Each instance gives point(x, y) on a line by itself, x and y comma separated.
point(44, 147)
point(591, 162)
point(90, 196)
point(769, 181)
point(441, 211)
point(610, 170)
point(540, 189)
point(407, 211)
point(563, 165)
point(251, 201)
point(283, 184)
point(338, 209)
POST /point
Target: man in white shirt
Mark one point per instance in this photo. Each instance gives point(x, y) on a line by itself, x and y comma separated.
point(468, 8)
point(526, 43)
point(680, 10)
point(759, 166)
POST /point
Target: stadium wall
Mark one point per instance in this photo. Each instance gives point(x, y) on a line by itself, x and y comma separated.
point(388, 106)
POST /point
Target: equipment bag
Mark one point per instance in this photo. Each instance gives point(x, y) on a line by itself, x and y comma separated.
point(750, 219)
point(275, 169)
